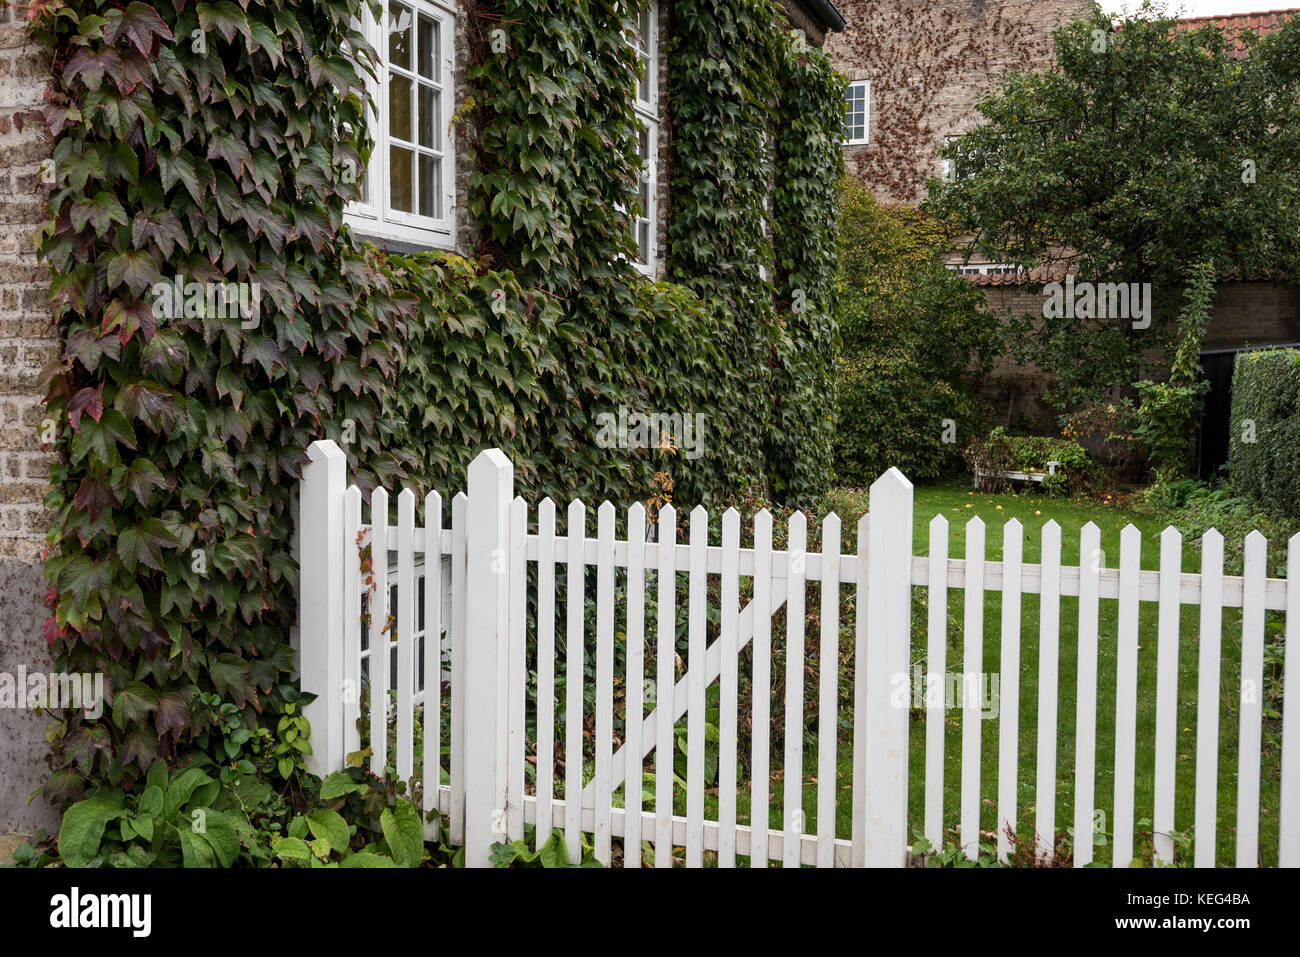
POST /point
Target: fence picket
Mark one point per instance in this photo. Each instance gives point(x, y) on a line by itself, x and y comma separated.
point(760, 774)
point(1207, 698)
point(1009, 668)
point(828, 668)
point(432, 649)
point(379, 642)
point(574, 606)
point(936, 683)
point(666, 656)
point(545, 671)
point(459, 508)
point(1085, 701)
point(972, 677)
point(860, 719)
point(635, 682)
point(792, 799)
point(1252, 707)
point(1166, 745)
point(352, 587)
point(1288, 851)
point(604, 680)
point(1049, 638)
point(1126, 677)
point(696, 636)
point(728, 681)
point(405, 677)
point(516, 670)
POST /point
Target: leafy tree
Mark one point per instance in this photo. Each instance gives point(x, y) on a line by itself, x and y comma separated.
point(1146, 150)
point(913, 334)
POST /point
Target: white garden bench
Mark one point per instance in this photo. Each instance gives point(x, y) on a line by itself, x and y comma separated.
point(1016, 476)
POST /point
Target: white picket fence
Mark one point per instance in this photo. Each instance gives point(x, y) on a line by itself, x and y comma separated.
point(472, 627)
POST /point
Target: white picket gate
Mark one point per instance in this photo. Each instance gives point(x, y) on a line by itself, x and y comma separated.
point(472, 627)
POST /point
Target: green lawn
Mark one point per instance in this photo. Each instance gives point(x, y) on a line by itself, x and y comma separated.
point(1033, 510)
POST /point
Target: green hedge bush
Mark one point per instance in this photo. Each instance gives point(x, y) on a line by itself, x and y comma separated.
point(1264, 441)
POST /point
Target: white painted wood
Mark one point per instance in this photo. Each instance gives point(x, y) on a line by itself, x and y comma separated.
point(761, 778)
point(432, 650)
point(604, 680)
point(1126, 682)
point(728, 694)
point(888, 664)
point(573, 677)
point(828, 667)
point(459, 510)
point(1166, 743)
point(635, 682)
point(1013, 542)
point(860, 718)
point(1252, 706)
point(1207, 701)
point(1049, 637)
point(352, 586)
point(1288, 854)
point(487, 621)
point(972, 678)
point(936, 673)
point(405, 677)
point(792, 815)
point(321, 547)
point(545, 667)
point(695, 638)
point(1085, 698)
point(516, 670)
point(666, 654)
point(380, 637)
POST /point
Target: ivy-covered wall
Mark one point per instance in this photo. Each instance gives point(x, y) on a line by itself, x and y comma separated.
point(197, 141)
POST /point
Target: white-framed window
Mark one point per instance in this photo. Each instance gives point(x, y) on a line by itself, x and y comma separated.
point(645, 223)
point(408, 192)
point(857, 113)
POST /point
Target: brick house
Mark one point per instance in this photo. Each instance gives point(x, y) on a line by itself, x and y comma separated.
point(414, 198)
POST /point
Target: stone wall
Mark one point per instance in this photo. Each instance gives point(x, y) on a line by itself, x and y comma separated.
point(28, 340)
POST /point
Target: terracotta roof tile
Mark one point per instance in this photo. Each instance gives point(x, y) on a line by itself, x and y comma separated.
point(1234, 25)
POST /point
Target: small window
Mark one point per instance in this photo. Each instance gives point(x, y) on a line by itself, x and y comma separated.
point(409, 190)
point(857, 113)
point(645, 222)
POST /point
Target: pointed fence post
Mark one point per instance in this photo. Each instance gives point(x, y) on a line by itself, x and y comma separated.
point(487, 608)
point(888, 660)
point(320, 601)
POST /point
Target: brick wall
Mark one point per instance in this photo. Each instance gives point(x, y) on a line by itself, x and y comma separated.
point(929, 63)
point(28, 341)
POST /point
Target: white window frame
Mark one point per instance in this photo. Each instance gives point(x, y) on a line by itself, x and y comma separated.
point(647, 111)
point(375, 217)
point(865, 138)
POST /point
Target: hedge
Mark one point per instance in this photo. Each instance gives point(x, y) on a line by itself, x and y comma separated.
point(1264, 441)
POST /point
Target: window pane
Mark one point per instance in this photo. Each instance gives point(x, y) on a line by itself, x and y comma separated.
point(430, 186)
point(430, 117)
point(399, 107)
point(645, 146)
point(643, 240)
point(399, 179)
point(399, 36)
point(644, 41)
point(427, 46)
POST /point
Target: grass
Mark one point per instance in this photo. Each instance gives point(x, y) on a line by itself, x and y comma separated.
point(1034, 510)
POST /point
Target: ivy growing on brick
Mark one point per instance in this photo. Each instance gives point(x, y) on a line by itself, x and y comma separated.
point(208, 142)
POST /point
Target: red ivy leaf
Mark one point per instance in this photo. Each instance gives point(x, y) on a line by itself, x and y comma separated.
point(89, 401)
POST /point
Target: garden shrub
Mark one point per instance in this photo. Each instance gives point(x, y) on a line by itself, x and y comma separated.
point(914, 334)
point(1264, 437)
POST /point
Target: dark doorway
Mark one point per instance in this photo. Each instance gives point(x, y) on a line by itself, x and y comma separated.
point(1212, 433)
